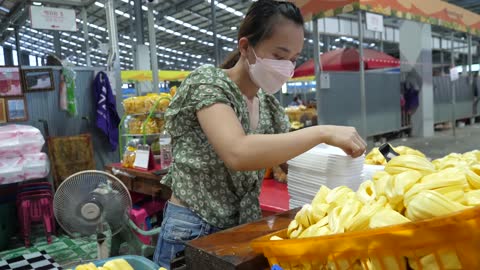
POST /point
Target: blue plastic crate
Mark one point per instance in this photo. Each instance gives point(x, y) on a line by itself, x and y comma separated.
point(137, 262)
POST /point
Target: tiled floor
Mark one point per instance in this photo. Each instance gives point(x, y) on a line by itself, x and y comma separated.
point(63, 249)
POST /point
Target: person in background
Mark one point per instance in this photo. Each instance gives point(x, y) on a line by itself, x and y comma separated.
point(226, 127)
point(296, 101)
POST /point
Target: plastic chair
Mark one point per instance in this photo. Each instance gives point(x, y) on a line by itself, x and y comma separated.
point(34, 206)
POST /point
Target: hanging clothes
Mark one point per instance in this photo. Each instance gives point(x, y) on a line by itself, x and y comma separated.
point(106, 108)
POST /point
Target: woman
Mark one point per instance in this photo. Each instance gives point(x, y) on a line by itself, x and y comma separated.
point(225, 130)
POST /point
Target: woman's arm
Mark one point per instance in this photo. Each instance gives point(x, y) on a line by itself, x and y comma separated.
point(243, 152)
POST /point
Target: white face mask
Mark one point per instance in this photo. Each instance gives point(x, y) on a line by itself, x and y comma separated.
point(270, 74)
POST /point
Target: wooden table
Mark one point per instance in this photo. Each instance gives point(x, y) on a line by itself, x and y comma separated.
point(230, 249)
point(141, 181)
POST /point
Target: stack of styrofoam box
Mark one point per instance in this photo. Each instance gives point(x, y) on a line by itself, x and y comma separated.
point(20, 154)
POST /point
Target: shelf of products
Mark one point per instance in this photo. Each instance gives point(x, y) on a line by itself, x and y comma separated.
point(142, 124)
point(301, 116)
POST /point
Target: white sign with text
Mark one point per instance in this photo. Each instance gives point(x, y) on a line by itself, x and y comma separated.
point(48, 18)
point(374, 22)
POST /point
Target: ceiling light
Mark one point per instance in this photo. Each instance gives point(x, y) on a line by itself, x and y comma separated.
point(182, 43)
point(10, 29)
point(233, 28)
point(37, 3)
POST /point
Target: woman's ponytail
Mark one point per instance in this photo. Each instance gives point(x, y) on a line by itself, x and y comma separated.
point(231, 60)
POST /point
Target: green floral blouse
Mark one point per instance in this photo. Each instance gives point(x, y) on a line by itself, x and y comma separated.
point(198, 177)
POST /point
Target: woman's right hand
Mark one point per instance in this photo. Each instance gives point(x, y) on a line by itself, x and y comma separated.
point(345, 138)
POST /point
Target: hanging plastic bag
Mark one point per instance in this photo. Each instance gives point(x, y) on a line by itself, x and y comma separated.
point(69, 76)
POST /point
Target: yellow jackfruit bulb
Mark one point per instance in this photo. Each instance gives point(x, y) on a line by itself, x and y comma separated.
point(379, 174)
point(473, 197)
point(349, 211)
point(452, 160)
point(118, 264)
point(429, 203)
point(88, 266)
point(297, 232)
point(474, 155)
point(396, 186)
point(362, 220)
point(445, 178)
point(334, 222)
point(454, 193)
point(366, 192)
point(473, 176)
point(319, 211)
point(375, 157)
point(317, 229)
point(339, 195)
point(387, 217)
point(404, 163)
point(404, 181)
point(405, 150)
point(321, 195)
point(303, 216)
point(453, 175)
point(382, 184)
point(292, 227)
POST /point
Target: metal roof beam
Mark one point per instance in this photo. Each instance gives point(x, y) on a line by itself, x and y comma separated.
point(179, 7)
point(16, 14)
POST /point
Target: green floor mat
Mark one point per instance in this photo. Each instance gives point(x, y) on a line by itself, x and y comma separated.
point(63, 249)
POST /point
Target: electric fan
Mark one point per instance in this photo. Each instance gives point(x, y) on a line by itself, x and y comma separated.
point(92, 203)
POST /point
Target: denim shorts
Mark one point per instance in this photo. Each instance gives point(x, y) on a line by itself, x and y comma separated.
point(179, 226)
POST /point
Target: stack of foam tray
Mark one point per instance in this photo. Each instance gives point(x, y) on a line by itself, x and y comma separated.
point(322, 165)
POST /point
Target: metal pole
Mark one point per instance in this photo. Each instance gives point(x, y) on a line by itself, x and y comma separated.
point(214, 30)
point(470, 61)
point(327, 44)
point(452, 62)
point(153, 48)
point(137, 6)
point(56, 44)
point(132, 33)
point(17, 46)
point(317, 68)
point(88, 61)
point(113, 62)
point(442, 56)
point(381, 42)
point(363, 97)
point(470, 73)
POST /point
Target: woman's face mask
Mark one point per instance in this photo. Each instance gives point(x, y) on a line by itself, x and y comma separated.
point(270, 74)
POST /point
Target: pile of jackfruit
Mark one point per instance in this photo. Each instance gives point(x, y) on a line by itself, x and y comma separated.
point(375, 157)
point(411, 188)
point(116, 264)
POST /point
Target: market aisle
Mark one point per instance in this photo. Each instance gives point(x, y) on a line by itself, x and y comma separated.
point(443, 143)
